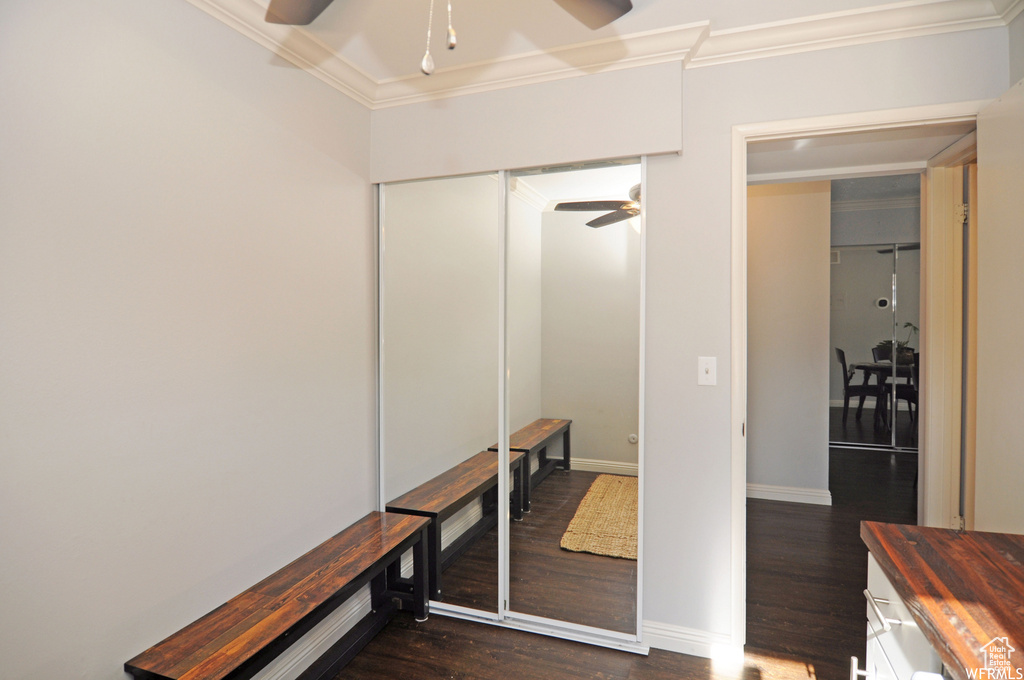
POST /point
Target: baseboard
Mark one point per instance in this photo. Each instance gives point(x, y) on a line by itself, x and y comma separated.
point(791, 494)
point(683, 640)
point(314, 644)
point(606, 466)
point(869, 402)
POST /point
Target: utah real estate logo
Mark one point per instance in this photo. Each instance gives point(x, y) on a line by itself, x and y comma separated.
point(998, 665)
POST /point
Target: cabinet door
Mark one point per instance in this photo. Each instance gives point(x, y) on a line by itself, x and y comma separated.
point(906, 648)
point(877, 663)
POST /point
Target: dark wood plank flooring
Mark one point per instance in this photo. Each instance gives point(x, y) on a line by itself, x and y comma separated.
point(864, 432)
point(591, 590)
point(806, 569)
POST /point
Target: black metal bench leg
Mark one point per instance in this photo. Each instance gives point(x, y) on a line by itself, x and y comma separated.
point(517, 492)
point(420, 578)
point(434, 557)
point(566, 465)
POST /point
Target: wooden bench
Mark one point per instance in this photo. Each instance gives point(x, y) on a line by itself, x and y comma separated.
point(449, 492)
point(240, 637)
point(534, 440)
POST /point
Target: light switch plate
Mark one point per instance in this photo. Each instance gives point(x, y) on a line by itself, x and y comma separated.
point(707, 372)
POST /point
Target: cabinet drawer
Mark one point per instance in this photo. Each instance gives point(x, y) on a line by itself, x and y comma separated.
point(904, 645)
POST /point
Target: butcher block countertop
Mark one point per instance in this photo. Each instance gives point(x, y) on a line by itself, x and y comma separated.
point(964, 588)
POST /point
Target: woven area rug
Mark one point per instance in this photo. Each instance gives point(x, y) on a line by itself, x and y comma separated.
point(605, 522)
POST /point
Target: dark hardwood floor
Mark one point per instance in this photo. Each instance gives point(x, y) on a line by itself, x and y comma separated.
point(591, 590)
point(866, 432)
point(806, 569)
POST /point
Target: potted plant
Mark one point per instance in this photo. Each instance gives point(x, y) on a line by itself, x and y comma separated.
point(904, 352)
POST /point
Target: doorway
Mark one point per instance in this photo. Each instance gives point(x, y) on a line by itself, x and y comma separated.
point(787, 137)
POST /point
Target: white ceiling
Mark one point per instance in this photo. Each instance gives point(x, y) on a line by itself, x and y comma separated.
point(385, 40)
point(852, 154)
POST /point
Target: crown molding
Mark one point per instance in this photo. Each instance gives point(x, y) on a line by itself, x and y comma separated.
point(1009, 9)
point(293, 45)
point(910, 19)
point(529, 195)
point(609, 54)
point(693, 45)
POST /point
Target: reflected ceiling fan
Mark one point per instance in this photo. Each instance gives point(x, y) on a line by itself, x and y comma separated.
point(619, 210)
point(592, 13)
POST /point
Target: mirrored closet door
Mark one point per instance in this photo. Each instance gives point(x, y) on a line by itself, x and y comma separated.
point(510, 390)
point(574, 242)
point(440, 251)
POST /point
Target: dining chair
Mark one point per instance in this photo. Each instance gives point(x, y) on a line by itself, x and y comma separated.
point(849, 391)
point(907, 391)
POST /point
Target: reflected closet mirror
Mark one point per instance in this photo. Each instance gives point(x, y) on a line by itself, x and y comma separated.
point(510, 391)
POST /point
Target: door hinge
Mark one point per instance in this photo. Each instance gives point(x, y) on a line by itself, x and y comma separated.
point(961, 211)
point(957, 523)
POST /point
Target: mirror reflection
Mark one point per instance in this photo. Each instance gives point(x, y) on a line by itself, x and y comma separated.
point(574, 354)
point(571, 243)
point(441, 249)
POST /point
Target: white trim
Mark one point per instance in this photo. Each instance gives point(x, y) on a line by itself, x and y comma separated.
point(693, 45)
point(738, 399)
point(529, 195)
point(843, 29)
point(683, 640)
point(294, 45)
point(540, 66)
point(742, 134)
point(541, 626)
point(837, 173)
point(298, 657)
point(790, 494)
point(608, 467)
point(1014, 7)
point(641, 406)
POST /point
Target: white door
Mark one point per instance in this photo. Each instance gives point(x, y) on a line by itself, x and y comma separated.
point(999, 479)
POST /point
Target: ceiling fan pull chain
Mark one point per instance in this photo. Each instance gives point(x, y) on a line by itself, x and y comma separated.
point(451, 31)
point(427, 65)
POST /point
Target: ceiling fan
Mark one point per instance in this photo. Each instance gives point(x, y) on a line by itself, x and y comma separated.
point(620, 210)
point(592, 13)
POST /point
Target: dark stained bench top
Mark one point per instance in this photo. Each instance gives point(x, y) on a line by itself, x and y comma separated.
point(536, 433)
point(227, 638)
point(452, 490)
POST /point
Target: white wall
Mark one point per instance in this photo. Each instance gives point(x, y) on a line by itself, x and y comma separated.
point(583, 118)
point(688, 585)
point(524, 303)
point(187, 296)
point(441, 245)
point(592, 333)
point(999, 467)
point(787, 351)
point(1017, 48)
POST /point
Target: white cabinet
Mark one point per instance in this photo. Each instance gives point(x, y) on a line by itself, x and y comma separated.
point(896, 646)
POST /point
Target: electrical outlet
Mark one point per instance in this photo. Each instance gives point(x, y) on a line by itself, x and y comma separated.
point(707, 371)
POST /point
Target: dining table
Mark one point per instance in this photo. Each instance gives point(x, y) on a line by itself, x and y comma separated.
point(882, 371)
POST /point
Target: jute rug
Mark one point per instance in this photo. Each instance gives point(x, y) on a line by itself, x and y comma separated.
point(605, 522)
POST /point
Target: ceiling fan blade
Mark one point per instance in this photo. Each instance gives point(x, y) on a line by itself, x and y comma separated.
point(611, 218)
point(596, 13)
point(295, 12)
point(592, 206)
